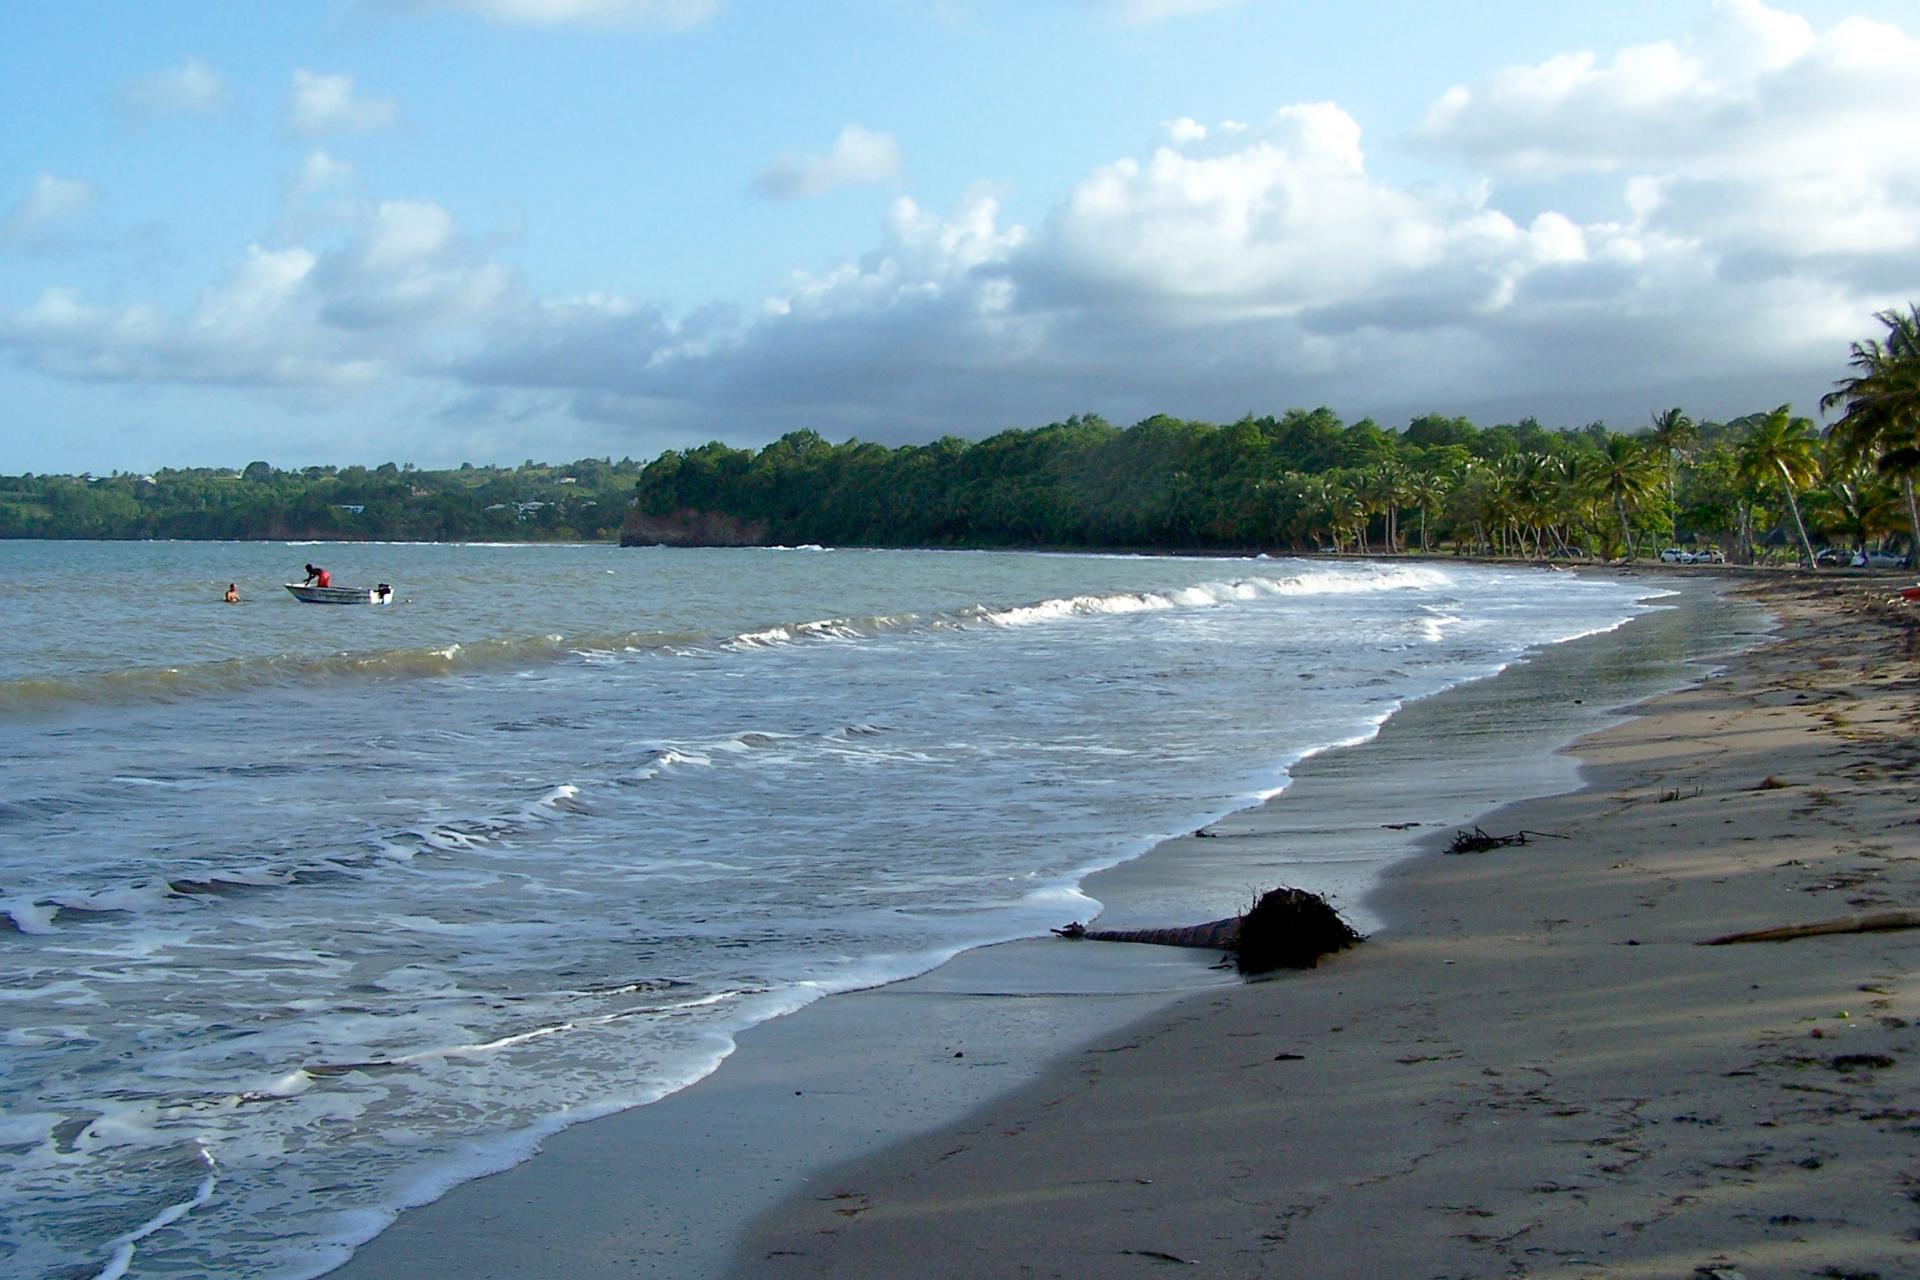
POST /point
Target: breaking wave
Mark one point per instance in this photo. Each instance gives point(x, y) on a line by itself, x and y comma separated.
point(32, 694)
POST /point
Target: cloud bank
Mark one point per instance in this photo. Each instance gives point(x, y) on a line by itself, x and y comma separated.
point(1759, 198)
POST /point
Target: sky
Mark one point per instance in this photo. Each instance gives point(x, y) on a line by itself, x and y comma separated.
point(445, 231)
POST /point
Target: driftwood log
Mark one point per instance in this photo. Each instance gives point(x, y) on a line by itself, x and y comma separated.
point(1874, 922)
point(1283, 929)
point(1478, 841)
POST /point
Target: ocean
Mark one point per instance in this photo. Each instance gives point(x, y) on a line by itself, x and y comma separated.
point(312, 912)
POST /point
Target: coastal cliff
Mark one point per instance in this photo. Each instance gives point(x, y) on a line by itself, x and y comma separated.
point(687, 527)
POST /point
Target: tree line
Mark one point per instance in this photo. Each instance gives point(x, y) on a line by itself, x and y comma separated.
point(578, 501)
point(1768, 484)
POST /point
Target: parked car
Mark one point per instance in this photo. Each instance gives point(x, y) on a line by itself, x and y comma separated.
point(1879, 560)
point(1829, 557)
point(1676, 555)
point(1710, 555)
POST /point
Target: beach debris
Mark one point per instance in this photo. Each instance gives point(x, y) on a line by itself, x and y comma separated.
point(1160, 1256)
point(1219, 935)
point(1284, 929)
point(1478, 841)
point(1857, 1061)
point(1872, 922)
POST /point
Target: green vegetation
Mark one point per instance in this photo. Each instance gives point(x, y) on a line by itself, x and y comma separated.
point(1303, 481)
point(584, 500)
point(1307, 481)
point(1764, 486)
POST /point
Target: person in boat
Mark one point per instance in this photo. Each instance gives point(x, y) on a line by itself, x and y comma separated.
point(233, 593)
point(317, 577)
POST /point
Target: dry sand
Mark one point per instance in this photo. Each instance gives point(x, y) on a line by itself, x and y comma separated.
point(1534, 1069)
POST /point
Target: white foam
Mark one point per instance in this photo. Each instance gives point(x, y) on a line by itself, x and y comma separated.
point(29, 916)
point(20, 1128)
point(123, 1247)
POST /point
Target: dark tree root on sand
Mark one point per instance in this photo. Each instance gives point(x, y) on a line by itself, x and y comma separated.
point(1874, 922)
point(1283, 929)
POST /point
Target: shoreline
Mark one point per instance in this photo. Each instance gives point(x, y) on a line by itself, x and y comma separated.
point(1534, 1068)
point(663, 1189)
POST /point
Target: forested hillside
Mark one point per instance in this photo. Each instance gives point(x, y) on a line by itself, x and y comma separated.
point(584, 500)
point(1301, 481)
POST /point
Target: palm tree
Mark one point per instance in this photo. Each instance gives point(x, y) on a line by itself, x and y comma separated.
point(1351, 512)
point(1573, 502)
point(1536, 487)
point(1314, 499)
point(1854, 499)
point(1624, 476)
point(1882, 399)
point(1427, 491)
point(1783, 449)
point(1672, 435)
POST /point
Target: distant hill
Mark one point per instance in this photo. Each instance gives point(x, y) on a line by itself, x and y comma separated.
point(578, 501)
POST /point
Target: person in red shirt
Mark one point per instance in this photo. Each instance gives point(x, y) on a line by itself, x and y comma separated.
point(318, 577)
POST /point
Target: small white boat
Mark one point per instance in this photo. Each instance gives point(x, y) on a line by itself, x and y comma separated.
point(382, 594)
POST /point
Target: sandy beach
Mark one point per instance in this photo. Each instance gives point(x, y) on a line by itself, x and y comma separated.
point(1531, 1067)
point(1535, 1068)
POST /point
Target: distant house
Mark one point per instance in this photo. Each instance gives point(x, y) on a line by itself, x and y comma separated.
point(351, 508)
point(568, 480)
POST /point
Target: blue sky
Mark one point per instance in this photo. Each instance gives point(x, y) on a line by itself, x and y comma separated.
point(487, 230)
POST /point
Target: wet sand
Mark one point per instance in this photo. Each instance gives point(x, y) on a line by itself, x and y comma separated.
point(1534, 1068)
point(991, 1118)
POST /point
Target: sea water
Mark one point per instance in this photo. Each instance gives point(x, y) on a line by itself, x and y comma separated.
point(310, 912)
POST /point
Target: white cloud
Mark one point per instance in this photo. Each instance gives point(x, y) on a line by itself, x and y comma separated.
point(192, 88)
point(384, 304)
point(408, 269)
point(321, 172)
point(39, 219)
point(1140, 12)
point(1759, 195)
point(547, 13)
point(251, 330)
point(859, 156)
point(1755, 136)
point(319, 104)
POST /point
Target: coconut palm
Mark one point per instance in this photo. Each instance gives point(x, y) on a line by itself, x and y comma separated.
point(1351, 512)
point(1426, 492)
point(1882, 400)
point(1624, 475)
point(1854, 499)
point(1782, 449)
point(1672, 435)
point(1573, 502)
